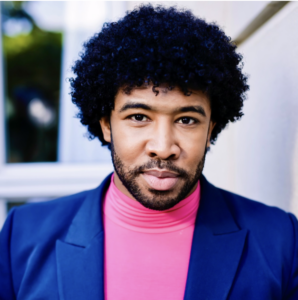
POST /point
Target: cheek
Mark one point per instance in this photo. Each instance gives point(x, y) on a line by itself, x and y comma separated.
point(193, 146)
point(129, 144)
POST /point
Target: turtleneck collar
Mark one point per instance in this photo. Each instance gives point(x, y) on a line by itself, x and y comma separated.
point(132, 215)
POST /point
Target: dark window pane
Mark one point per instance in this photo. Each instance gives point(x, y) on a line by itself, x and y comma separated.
point(10, 205)
point(18, 202)
point(32, 64)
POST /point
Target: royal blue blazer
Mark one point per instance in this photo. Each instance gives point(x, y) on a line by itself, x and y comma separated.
point(241, 250)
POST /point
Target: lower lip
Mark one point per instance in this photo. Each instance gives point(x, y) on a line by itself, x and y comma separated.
point(160, 184)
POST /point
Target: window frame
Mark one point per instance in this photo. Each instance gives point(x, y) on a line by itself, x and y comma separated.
point(22, 181)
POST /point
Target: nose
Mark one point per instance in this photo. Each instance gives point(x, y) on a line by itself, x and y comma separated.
point(163, 144)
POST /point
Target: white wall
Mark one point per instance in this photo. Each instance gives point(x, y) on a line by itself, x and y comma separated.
point(258, 156)
point(232, 16)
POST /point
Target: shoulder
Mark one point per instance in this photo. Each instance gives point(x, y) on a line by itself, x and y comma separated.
point(67, 205)
point(271, 230)
point(256, 215)
point(30, 233)
point(49, 218)
point(272, 237)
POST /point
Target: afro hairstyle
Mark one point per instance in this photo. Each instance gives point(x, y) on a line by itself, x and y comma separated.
point(158, 45)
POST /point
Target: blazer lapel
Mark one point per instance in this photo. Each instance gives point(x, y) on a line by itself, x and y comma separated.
point(80, 257)
point(216, 250)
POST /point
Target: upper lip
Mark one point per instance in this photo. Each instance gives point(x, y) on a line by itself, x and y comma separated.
point(161, 173)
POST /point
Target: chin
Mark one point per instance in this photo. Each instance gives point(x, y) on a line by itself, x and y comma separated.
point(158, 200)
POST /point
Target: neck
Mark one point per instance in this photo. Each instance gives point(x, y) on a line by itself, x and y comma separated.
point(118, 183)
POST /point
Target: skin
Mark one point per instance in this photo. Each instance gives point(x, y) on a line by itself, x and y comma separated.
point(146, 127)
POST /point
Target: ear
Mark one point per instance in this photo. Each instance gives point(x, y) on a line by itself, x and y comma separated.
point(106, 128)
point(210, 129)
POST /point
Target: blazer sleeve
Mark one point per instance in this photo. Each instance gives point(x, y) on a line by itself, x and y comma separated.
point(6, 285)
point(292, 287)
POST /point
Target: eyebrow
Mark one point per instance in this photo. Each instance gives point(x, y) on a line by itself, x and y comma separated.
point(133, 105)
point(197, 109)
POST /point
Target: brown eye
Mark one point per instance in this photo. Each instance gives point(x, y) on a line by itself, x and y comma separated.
point(139, 118)
point(186, 120)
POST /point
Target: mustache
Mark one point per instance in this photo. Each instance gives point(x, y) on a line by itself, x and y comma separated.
point(167, 165)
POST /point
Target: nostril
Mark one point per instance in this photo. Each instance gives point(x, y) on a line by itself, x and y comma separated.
point(170, 157)
point(152, 154)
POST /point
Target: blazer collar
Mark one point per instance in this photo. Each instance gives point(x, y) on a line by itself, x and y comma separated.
point(216, 249)
point(80, 257)
point(214, 212)
point(88, 221)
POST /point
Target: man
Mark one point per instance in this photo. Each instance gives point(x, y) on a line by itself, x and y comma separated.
point(157, 87)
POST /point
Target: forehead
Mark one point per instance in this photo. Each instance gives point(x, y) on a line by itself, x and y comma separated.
point(165, 99)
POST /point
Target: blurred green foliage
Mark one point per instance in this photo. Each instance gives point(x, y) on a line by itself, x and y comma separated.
point(32, 67)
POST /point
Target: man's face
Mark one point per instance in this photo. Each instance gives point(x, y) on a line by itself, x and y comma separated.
point(158, 144)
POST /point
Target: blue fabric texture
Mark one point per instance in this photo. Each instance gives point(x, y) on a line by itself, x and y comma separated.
point(241, 249)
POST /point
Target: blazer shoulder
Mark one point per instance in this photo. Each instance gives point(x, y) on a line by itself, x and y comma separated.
point(54, 214)
point(273, 232)
point(50, 218)
point(51, 208)
point(266, 224)
point(253, 211)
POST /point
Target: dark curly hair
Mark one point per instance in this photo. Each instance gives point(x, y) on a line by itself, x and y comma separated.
point(157, 45)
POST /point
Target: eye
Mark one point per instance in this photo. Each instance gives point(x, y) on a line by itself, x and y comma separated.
point(187, 121)
point(139, 118)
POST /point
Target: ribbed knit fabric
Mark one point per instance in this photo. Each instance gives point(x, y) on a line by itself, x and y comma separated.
point(146, 252)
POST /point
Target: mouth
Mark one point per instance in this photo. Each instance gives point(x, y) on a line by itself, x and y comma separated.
point(160, 180)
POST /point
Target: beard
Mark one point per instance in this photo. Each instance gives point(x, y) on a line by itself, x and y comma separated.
point(157, 200)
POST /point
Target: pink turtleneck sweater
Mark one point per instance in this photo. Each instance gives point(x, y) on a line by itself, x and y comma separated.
point(146, 252)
